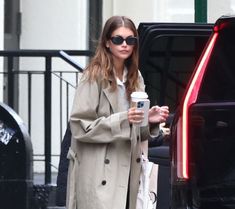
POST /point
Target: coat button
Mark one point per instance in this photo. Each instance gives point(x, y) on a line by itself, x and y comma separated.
point(103, 182)
point(138, 160)
point(106, 161)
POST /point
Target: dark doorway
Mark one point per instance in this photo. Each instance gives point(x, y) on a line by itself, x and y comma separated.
point(12, 24)
point(12, 29)
point(95, 22)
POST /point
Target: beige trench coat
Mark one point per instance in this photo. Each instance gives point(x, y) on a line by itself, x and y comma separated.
point(105, 150)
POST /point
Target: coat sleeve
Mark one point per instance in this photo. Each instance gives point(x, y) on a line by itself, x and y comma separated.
point(87, 125)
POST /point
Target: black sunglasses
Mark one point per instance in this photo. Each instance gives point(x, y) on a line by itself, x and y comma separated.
point(118, 40)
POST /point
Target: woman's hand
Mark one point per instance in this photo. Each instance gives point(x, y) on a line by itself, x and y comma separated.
point(135, 116)
point(158, 114)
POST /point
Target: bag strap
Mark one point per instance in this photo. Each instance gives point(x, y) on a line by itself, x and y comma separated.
point(143, 145)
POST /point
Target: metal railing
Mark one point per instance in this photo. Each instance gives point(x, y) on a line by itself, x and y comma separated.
point(12, 90)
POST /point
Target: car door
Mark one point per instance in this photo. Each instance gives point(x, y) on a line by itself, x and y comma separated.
point(168, 55)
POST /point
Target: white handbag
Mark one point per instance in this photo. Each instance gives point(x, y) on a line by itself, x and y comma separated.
point(147, 194)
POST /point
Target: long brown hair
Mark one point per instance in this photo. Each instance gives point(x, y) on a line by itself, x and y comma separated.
point(101, 64)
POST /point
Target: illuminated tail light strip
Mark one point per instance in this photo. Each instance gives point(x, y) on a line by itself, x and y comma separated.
point(190, 98)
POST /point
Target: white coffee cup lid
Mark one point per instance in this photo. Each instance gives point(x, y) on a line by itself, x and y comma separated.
point(139, 94)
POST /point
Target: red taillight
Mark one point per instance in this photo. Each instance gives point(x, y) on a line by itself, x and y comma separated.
point(190, 98)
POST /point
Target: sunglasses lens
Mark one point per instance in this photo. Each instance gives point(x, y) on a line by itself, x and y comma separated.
point(131, 40)
point(117, 40)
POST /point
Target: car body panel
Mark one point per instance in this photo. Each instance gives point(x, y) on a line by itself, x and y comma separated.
point(207, 122)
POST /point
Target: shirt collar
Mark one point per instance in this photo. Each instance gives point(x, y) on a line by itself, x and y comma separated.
point(124, 78)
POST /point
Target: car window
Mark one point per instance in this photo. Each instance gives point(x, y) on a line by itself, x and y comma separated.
point(218, 84)
point(169, 65)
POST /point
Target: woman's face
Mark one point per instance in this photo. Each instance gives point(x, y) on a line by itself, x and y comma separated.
point(120, 49)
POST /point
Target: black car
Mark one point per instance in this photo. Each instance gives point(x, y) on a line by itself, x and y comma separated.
point(203, 129)
point(168, 54)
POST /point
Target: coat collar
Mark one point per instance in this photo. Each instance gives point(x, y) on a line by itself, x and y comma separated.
point(112, 96)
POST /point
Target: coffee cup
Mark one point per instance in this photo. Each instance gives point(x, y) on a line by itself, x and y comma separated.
point(140, 100)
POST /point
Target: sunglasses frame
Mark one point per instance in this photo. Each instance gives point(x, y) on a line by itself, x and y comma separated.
point(118, 40)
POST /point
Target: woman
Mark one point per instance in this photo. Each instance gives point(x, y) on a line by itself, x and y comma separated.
point(106, 143)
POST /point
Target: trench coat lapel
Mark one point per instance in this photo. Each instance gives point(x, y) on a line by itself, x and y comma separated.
point(112, 98)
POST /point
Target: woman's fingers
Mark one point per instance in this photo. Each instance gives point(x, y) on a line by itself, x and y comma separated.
point(164, 112)
point(158, 114)
point(135, 115)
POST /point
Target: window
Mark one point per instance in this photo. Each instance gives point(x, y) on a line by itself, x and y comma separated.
point(219, 79)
